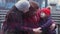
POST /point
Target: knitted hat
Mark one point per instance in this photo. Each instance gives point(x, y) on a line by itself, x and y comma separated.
point(46, 11)
point(22, 5)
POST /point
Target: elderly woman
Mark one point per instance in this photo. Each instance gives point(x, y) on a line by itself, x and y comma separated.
point(25, 18)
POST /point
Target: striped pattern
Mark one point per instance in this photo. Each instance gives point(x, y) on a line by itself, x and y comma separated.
point(2, 16)
point(56, 16)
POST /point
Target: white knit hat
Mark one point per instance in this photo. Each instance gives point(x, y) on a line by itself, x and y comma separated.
point(22, 5)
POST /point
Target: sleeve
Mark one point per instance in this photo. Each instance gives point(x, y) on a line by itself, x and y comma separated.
point(53, 26)
point(46, 26)
point(11, 18)
point(48, 23)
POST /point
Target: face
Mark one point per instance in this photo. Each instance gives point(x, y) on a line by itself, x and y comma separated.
point(43, 15)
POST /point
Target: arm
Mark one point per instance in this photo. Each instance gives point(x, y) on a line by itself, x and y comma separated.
point(48, 23)
point(53, 26)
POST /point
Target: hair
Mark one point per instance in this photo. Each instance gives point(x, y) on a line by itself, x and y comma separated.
point(33, 7)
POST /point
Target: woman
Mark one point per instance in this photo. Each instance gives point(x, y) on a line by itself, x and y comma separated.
point(13, 23)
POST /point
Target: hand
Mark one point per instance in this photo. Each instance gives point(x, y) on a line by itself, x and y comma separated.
point(52, 26)
point(37, 30)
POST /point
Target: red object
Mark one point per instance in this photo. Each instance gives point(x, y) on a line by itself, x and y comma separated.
point(46, 11)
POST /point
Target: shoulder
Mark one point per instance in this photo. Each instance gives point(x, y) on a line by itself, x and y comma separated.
point(10, 14)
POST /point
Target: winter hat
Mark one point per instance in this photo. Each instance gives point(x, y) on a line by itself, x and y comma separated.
point(46, 11)
point(22, 5)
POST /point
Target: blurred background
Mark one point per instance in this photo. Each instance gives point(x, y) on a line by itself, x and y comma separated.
point(6, 5)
